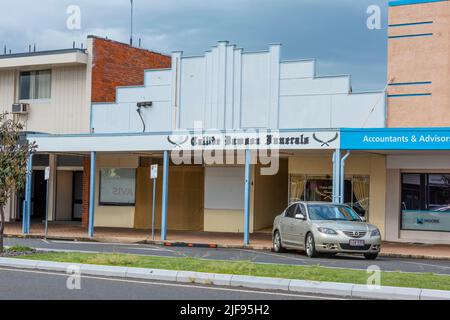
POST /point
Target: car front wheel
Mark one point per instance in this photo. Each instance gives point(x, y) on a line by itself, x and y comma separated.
point(370, 256)
point(277, 246)
point(310, 246)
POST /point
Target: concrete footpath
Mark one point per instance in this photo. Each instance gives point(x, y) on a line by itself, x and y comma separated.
point(345, 290)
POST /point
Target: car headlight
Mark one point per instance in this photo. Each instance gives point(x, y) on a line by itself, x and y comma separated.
point(375, 233)
point(326, 230)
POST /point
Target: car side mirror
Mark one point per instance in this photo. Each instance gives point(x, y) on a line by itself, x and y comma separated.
point(300, 216)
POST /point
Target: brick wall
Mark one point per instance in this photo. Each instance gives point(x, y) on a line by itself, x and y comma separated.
point(85, 191)
point(117, 64)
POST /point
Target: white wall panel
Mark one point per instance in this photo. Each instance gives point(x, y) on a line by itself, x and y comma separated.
point(297, 69)
point(6, 90)
point(327, 85)
point(67, 110)
point(157, 77)
point(358, 111)
point(122, 118)
point(224, 188)
point(305, 112)
point(150, 93)
point(255, 90)
point(192, 107)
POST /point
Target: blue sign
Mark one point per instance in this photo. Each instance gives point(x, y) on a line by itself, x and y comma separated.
point(396, 139)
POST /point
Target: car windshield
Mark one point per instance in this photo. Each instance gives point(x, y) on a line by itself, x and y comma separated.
point(332, 212)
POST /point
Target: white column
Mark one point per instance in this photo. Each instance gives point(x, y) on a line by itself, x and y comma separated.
point(274, 76)
point(176, 88)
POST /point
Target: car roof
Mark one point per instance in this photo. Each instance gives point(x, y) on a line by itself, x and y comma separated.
point(319, 202)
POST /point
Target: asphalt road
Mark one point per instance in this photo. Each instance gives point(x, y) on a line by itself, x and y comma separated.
point(17, 284)
point(291, 258)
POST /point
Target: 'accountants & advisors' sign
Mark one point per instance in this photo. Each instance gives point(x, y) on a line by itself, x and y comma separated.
point(396, 139)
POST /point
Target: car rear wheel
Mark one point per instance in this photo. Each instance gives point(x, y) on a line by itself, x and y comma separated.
point(370, 256)
point(310, 246)
point(277, 245)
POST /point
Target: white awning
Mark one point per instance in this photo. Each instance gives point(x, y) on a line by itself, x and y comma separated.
point(209, 140)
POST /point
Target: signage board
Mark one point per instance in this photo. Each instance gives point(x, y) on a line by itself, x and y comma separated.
point(396, 139)
point(191, 140)
point(47, 173)
point(153, 171)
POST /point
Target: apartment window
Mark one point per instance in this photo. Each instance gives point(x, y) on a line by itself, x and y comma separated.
point(425, 202)
point(117, 186)
point(35, 85)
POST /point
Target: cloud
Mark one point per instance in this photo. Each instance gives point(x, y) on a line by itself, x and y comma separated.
point(333, 31)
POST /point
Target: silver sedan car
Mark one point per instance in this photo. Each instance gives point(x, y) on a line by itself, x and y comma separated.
point(323, 227)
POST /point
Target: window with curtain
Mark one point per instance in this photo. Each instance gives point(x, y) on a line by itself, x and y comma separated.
point(35, 85)
point(297, 188)
point(320, 188)
point(360, 199)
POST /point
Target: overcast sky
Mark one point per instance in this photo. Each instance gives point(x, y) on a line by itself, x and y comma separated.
point(332, 31)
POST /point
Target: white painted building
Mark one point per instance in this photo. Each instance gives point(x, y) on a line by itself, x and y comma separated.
point(55, 88)
point(228, 88)
point(237, 91)
point(52, 92)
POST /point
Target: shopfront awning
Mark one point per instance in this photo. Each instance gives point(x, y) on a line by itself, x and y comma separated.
point(189, 140)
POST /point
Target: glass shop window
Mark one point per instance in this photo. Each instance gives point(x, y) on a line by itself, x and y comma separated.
point(425, 203)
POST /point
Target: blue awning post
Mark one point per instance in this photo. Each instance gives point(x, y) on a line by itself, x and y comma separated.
point(165, 195)
point(27, 203)
point(92, 194)
point(336, 175)
point(247, 198)
point(342, 178)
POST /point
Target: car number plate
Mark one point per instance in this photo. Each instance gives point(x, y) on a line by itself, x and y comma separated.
point(357, 243)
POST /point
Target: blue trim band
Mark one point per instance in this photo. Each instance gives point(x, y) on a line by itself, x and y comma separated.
point(395, 3)
point(409, 24)
point(411, 35)
point(409, 83)
point(408, 95)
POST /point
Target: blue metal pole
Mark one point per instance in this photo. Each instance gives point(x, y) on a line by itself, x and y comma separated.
point(342, 177)
point(247, 199)
point(92, 194)
point(165, 195)
point(27, 209)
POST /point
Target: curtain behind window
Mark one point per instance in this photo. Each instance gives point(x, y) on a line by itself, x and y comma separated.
point(297, 189)
point(43, 84)
point(361, 192)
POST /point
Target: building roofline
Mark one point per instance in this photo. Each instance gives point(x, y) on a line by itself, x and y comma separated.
point(41, 53)
point(128, 45)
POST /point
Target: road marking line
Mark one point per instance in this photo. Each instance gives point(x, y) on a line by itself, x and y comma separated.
point(426, 264)
point(176, 285)
point(148, 249)
point(96, 243)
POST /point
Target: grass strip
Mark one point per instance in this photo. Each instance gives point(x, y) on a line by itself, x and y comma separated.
point(314, 273)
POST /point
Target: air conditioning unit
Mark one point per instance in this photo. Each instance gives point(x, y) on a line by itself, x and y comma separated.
point(20, 108)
